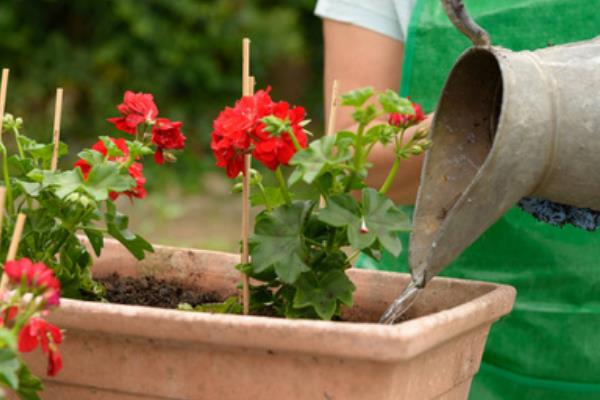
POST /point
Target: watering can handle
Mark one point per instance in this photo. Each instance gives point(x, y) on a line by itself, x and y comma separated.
point(455, 9)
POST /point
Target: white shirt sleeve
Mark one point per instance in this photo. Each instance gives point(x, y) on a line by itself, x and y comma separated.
point(388, 17)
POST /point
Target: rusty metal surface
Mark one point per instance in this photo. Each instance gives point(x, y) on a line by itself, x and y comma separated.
point(508, 125)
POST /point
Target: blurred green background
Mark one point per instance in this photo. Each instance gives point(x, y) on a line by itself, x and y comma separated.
point(185, 52)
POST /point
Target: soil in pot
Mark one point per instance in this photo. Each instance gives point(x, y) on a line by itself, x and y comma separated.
point(149, 291)
point(153, 292)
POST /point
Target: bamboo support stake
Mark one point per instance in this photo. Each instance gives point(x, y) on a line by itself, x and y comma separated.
point(332, 118)
point(14, 247)
point(3, 87)
point(245, 259)
point(56, 130)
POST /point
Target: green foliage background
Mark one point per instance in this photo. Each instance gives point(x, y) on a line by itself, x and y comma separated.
point(186, 52)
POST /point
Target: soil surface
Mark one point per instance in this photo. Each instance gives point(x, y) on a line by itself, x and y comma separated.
point(149, 291)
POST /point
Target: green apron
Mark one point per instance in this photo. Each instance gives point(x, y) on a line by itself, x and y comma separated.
point(549, 346)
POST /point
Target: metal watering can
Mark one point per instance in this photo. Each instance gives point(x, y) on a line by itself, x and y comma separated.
point(508, 125)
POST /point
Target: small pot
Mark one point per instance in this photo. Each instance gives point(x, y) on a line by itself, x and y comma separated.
point(122, 352)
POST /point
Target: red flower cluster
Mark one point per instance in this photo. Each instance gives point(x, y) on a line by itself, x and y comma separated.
point(166, 134)
point(36, 276)
point(135, 170)
point(37, 331)
point(40, 280)
point(407, 120)
point(274, 150)
point(139, 108)
point(239, 130)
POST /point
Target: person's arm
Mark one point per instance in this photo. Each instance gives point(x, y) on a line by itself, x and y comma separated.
point(359, 57)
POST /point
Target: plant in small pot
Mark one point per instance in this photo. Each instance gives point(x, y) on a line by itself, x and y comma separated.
point(47, 208)
point(311, 314)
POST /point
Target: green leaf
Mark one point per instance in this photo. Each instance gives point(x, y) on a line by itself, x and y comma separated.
point(357, 97)
point(319, 157)
point(64, 183)
point(96, 239)
point(29, 385)
point(9, 359)
point(277, 241)
point(107, 177)
point(112, 150)
point(383, 133)
point(20, 166)
point(229, 306)
point(365, 115)
point(324, 293)
point(393, 103)
point(273, 197)
point(30, 188)
point(39, 151)
point(381, 218)
point(116, 224)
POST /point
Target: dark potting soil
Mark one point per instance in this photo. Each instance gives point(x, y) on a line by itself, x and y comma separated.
point(149, 291)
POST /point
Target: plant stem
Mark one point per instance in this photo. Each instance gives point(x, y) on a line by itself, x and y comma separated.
point(19, 147)
point(394, 170)
point(358, 155)
point(284, 189)
point(9, 199)
point(391, 175)
point(294, 140)
point(261, 189)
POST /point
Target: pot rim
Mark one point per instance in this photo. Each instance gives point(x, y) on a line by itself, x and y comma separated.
point(370, 341)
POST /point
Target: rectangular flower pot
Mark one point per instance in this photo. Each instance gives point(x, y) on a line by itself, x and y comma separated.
point(130, 352)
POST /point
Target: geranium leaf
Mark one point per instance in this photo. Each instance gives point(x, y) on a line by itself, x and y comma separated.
point(106, 177)
point(393, 103)
point(116, 224)
point(378, 220)
point(112, 150)
point(29, 384)
point(277, 241)
point(9, 360)
point(96, 239)
point(357, 97)
point(321, 156)
point(270, 195)
point(323, 293)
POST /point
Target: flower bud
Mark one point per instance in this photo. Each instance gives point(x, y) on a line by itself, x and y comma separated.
point(363, 226)
point(416, 150)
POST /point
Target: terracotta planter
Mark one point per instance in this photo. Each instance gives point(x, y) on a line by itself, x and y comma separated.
point(130, 352)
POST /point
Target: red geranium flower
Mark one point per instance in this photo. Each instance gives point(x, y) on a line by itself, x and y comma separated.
point(137, 108)
point(239, 130)
point(273, 150)
point(36, 275)
point(135, 170)
point(234, 129)
point(37, 331)
point(166, 134)
point(406, 120)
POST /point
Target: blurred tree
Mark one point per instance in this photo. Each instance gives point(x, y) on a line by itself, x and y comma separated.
point(186, 52)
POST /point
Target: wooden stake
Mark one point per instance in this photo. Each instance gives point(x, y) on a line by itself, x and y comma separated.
point(333, 108)
point(14, 247)
point(56, 130)
point(3, 87)
point(331, 122)
point(245, 257)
